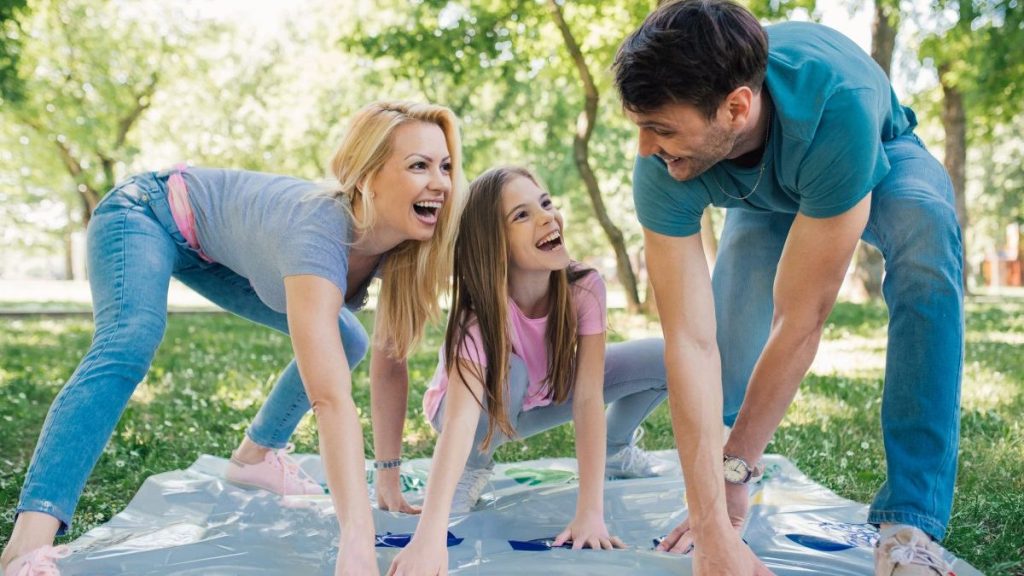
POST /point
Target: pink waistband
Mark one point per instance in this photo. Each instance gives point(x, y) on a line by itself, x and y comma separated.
point(181, 210)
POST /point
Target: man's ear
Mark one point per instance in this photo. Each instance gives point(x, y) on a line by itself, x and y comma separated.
point(737, 106)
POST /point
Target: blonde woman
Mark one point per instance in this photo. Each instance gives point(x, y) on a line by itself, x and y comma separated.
point(287, 254)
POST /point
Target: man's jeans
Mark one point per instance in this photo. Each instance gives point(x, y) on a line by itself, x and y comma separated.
point(134, 248)
point(913, 223)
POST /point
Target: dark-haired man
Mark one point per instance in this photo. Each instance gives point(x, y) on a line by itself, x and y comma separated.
point(798, 132)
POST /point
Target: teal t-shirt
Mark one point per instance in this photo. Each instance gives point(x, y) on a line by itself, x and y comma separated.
point(833, 107)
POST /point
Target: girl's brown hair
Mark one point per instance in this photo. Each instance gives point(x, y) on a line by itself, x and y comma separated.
point(480, 295)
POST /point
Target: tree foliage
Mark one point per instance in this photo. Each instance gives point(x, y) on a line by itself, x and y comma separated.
point(10, 49)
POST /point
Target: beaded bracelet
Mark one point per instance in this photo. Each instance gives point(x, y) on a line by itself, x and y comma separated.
point(387, 464)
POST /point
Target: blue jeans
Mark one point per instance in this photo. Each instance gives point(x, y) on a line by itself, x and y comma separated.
point(634, 385)
point(913, 223)
point(134, 248)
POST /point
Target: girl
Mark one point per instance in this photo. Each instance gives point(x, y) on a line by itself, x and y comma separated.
point(282, 252)
point(525, 336)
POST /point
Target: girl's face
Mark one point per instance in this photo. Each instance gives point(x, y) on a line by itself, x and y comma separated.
point(414, 183)
point(533, 227)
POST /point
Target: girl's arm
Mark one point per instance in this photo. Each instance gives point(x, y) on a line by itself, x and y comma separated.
point(588, 527)
point(313, 305)
point(427, 553)
point(389, 399)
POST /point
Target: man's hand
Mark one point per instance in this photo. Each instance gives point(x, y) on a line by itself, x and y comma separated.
point(588, 529)
point(681, 539)
point(731, 557)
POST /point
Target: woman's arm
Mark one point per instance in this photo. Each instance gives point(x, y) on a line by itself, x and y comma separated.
point(389, 400)
point(427, 553)
point(313, 305)
point(588, 527)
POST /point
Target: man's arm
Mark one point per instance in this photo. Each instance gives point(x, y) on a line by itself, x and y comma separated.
point(682, 288)
point(811, 270)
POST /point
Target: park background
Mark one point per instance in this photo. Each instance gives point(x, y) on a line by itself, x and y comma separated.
point(94, 90)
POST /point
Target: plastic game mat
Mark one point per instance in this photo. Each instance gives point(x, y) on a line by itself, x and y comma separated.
point(191, 521)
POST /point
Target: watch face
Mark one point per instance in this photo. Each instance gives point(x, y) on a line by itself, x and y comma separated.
point(736, 470)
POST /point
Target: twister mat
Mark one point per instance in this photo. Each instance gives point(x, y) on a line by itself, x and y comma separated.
point(191, 522)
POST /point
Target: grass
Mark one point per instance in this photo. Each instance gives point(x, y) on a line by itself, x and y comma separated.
point(213, 371)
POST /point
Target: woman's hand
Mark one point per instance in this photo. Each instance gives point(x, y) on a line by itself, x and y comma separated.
point(389, 492)
point(421, 559)
point(588, 529)
point(392, 501)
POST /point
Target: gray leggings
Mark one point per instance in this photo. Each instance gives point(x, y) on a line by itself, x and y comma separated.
point(634, 385)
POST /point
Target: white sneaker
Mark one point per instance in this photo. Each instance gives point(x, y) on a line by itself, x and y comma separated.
point(630, 462)
point(907, 551)
point(469, 488)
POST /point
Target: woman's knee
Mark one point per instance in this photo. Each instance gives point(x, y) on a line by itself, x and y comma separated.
point(354, 338)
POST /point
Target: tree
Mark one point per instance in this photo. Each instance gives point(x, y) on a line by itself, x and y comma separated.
point(982, 80)
point(867, 275)
point(89, 70)
point(581, 154)
point(10, 49)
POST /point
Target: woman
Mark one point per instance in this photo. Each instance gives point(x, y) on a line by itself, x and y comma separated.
point(280, 251)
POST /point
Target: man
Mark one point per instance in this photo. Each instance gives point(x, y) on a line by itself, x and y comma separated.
point(798, 132)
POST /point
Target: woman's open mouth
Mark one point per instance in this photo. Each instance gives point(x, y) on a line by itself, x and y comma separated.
point(428, 210)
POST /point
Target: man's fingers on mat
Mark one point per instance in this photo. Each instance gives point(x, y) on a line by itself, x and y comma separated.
point(683, 545)
point(673, 537)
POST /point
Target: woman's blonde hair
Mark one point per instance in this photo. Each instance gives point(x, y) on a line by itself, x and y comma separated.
point(415, 274)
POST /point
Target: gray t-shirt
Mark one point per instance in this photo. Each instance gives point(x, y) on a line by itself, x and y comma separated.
point(265, 227)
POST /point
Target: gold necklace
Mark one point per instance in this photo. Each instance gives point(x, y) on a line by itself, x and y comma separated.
point(760, 173)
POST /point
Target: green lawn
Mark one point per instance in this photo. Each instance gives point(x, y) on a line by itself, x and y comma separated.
point(213, 370)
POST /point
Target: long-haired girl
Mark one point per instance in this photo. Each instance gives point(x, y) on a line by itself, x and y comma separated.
point(525, 351)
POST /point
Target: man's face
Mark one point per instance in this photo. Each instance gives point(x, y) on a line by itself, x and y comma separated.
point(683, 137)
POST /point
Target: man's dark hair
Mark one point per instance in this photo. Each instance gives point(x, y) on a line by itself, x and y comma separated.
point(691, 51)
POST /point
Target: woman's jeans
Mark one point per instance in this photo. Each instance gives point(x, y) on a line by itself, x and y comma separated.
point(634, 385)
point(134, 248)
point(913, 223)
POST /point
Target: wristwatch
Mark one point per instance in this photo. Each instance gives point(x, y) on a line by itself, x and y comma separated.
point(737, 471)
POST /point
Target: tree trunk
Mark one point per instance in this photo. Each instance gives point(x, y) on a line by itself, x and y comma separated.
point(883, 33)
point(954, 121)
point(581, 141)
point(866, 283)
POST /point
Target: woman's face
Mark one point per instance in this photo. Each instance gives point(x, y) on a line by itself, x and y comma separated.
point(414, 183)
point(533, 227)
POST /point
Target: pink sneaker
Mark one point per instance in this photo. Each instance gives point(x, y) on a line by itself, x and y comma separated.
point(278, 473)
point(39, 562)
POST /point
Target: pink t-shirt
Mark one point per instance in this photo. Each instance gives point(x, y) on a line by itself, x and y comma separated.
point(529, 343)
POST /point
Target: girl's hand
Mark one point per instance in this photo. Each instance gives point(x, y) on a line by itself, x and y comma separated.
point(428, 559)
point(391, 501)
point(588, 529)
point(356, 558)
